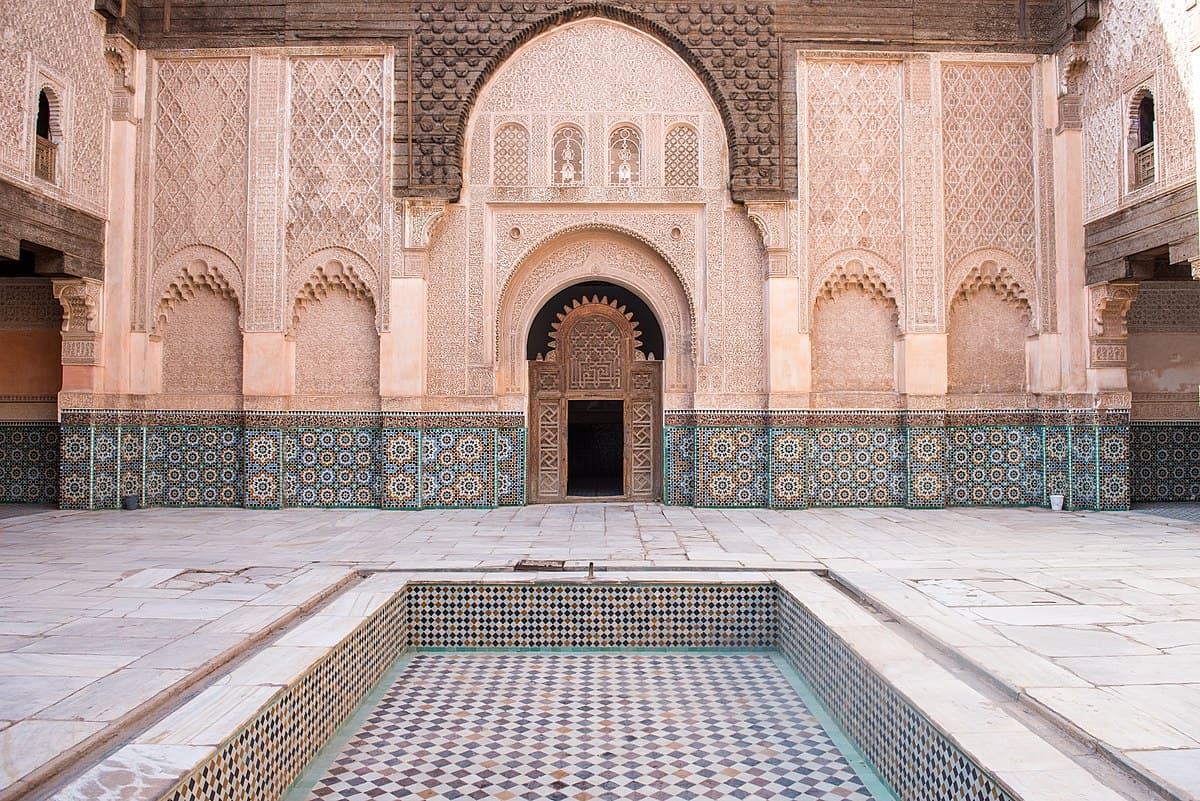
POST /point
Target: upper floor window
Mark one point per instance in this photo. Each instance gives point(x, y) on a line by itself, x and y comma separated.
point(625, 156)
point(681, 157)
point(510, 155)
point(46, 142)
point(567, 156)
point(1142, 135)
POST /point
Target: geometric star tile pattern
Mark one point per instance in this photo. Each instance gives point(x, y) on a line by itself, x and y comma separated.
point(590, 726)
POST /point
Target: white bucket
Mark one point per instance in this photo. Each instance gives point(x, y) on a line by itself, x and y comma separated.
point(1056, 502)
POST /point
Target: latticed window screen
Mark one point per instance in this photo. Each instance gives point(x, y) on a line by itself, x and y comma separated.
point(510, 155)
point(625, 156)
point(681, 156)
point(567, 152)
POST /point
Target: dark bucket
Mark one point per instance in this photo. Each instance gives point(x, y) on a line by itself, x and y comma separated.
point(129, 502)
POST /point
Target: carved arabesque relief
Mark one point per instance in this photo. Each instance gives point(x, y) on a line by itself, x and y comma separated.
point(66, 39)
point(336, 127)
point(990, 317)
point(202, 342)
point(1108, 341)
point(1003, 272)
point(855, 326)
point(199, 157)
point(988, 159)
point(1136, 41)
point(329, 269)
point(853, 158)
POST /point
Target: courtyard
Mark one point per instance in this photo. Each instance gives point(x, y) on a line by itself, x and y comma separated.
point(1086, 624)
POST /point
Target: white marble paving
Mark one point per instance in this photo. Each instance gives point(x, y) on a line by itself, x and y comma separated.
point(1094, 618)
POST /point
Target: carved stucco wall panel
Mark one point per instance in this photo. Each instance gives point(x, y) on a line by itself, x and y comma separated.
point(986, 347)
point(741, 358)
point(183, 273)
point(446, 319)
point(224, 124)
point(337, 124)
point(66, 39)
point(854, 159)
point(1138, 42)
point(854, 325)
point(990, 191)
point(200, 147)
point(194, 182)
point(202, 345)
point(337, 344)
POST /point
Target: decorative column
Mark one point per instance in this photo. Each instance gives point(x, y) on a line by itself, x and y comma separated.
point(1108, 340)
point(790, 368)
point(267, 357)
point(402, 348)
point(922, 358)
point(124, 125)
point(82, 301)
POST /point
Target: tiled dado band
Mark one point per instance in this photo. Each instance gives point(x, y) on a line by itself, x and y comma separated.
point(28, 462)
point(267, 753)
point(1164, 462)
point(416, 460)
point(914, 459)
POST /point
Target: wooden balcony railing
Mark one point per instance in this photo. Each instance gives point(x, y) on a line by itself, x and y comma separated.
point(1143, 165)
point(44, 159)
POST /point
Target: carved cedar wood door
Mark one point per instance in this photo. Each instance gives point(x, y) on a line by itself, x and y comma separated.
point(595, 354)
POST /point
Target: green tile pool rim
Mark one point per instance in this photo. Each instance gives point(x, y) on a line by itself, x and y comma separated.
point(263, 758)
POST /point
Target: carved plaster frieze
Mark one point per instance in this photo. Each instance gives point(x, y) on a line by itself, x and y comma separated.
point(82, 304)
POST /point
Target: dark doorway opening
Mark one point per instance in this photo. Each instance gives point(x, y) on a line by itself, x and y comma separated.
point(595, 448)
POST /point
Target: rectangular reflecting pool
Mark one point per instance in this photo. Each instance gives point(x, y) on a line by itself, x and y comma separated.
point(595, 725)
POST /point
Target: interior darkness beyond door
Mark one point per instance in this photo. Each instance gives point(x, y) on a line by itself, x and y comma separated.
point(595, 448)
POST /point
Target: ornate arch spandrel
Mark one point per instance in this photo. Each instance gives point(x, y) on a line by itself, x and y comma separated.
point(586, 256)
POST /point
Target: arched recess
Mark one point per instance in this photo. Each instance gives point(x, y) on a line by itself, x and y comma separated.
point(334, 327)
point(554, 83)
point(582, 12)
point(989, 321)
point(197, 318)
point(604, 255)
point(855, 326)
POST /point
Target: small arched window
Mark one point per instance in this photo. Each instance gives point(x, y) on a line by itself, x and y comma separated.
point(510, 154)
point(681, 157)
point(567, 156)
point(46, 142)
point(1145, 116)
point(1142, 133)
point(625, 156)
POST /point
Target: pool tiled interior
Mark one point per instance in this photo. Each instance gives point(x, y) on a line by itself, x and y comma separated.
point(600, 725)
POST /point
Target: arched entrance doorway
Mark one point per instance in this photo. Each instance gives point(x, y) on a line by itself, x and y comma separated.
point(595, 397)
